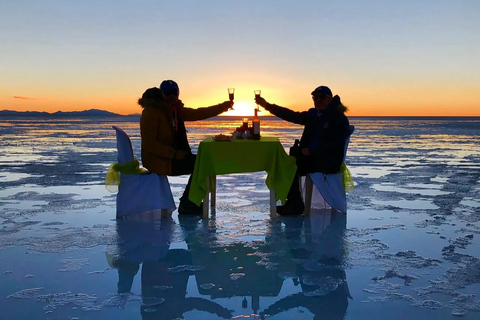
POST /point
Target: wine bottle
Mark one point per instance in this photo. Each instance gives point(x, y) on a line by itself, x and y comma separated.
point(256, 126)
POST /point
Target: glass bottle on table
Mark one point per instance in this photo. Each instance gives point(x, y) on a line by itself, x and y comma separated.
point(256, 126)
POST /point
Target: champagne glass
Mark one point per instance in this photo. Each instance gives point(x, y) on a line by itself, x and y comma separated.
point(246, 133)
point(231, 92)
point(257, 95)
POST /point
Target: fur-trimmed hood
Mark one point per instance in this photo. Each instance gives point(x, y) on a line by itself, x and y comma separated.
point(339, 105)
point(152, 97)
point(155, 103)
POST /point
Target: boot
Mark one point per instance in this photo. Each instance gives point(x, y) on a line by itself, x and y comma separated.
point(187, 207)
point(291, 208)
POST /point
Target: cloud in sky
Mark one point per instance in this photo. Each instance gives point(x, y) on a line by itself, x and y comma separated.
point(23, 98)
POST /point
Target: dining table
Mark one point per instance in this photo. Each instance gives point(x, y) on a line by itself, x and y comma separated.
point(220, 157)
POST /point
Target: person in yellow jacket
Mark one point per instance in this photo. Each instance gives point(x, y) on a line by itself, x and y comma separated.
point(165, 147)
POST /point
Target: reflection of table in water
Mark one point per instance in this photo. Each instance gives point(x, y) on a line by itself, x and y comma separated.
point(306, 253)
point(310, 252)
point(236, 271)
point(240, 156)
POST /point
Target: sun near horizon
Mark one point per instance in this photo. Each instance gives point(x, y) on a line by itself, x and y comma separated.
point(245, 109)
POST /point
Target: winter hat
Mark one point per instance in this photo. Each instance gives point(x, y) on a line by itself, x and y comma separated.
point(322, 89)
point(169, 87)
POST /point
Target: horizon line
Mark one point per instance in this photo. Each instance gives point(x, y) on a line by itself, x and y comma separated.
point(235, 116)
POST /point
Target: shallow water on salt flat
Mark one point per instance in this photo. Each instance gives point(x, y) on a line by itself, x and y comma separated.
point(408, 247)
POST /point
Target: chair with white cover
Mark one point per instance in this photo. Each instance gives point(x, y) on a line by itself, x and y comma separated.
point(329, 189)
point(140, 194)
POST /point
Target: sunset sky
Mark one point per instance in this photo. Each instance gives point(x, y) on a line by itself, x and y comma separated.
point(382, 57)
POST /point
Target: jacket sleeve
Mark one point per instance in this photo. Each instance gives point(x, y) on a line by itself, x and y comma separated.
point(190, 114)
point(287, 114)
point(149, 132)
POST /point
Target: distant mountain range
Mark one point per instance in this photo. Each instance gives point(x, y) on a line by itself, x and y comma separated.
point(85, 113)
point(77, 114)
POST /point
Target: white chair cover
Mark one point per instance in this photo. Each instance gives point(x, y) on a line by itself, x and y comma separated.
point(329, 190)
point(140, 193)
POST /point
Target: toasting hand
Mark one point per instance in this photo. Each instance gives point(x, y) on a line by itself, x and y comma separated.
point(227, 105)
point(261, 101)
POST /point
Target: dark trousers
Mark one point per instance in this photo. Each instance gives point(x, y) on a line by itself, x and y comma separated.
point(304, 166)
point(184, 166)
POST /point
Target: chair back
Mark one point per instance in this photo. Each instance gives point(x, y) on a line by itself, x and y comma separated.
point(124, 146)
point(352, 129)
point(329, 187)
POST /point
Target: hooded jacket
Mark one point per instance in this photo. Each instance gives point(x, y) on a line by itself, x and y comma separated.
point(163, 133)
point(325, 134)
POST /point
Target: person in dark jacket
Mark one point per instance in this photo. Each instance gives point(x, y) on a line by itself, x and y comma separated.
point(321, 147)
point(165, 147)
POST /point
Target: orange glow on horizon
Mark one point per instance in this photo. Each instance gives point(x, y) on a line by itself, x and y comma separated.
point(359, 105)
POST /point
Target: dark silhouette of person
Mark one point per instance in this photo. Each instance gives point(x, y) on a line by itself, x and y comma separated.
point(321, 147)
point(165, 146)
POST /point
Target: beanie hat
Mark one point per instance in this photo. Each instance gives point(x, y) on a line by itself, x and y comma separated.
point(322, 89)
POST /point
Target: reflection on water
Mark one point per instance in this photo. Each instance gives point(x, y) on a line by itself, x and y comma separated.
point(394, 141)
point(234, 279)
point(414, 214)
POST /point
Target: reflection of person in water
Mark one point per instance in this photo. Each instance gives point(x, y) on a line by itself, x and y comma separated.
point(319, 267)
point(164, 286)
point(164, 274)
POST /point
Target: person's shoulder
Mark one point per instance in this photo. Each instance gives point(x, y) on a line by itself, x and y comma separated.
point(343, 118)
point(343, 115)
point(150, 112)
point(148, 109)
point(339, 117)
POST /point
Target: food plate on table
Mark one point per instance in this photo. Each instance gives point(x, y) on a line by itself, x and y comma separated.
point(222, 137)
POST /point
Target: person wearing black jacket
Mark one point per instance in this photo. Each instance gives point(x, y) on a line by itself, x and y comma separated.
point(321, 147)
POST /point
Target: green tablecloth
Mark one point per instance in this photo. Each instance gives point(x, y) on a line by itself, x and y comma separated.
point(239, 156)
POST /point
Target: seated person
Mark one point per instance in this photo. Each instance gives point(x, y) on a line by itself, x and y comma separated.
point(165, 148)
point(321, 147)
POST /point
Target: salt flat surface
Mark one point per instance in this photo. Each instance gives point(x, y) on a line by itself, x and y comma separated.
point(407, 249)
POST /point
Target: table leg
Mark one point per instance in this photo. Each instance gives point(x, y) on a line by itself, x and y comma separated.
point(273, 203)
point(205, 199)
point(164, 213)
point(213, 197)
